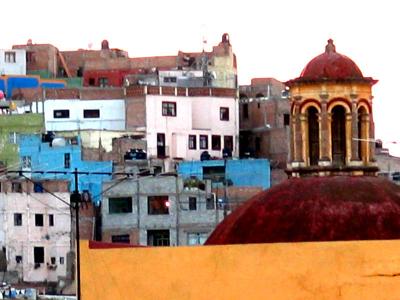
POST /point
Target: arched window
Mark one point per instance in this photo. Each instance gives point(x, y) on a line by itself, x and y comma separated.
point(313, 135)
point(338, 127)
point(362, 134)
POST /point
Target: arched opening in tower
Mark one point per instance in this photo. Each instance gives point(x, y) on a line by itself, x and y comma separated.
point(338, 135)
point(362, 134)
point(313, 135)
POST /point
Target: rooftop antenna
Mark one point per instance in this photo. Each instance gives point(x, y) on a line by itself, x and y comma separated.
point(204, 36)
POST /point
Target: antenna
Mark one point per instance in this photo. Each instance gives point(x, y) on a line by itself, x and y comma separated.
point(204, 36)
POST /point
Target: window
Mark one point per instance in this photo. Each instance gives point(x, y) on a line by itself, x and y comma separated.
point(286, 119)
point(122, 238)
point(228, 142)
point(92, 82)
point(169, 79)
point(203, 141)
point(169, 109)
point(67, 160)
point(16, 187)
point(39, 220)
point(192, 203)
point(38, 187)
point(61, 260)
point(103, 81)
point(210, 202)
point(91, 113)
point(26, 162)
point(224, 113)
point(61, 114)
point(216, 142)
point(214, 173)
point(51, 220)
point(9, 57)
point(258, 143)
point(197, 238)
point(30, 57)
point(53, 260)
point(120, 205)
point(38, 255)
point(192, 142)
point(18, 259)
point(245, 111)
point(158, 205)
point(158, 237)
point(17, 219)
point(13, 138)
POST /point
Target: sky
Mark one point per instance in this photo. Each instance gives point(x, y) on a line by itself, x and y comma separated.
point(270, 38)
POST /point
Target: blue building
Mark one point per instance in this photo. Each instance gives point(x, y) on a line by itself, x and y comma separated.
point(63, 155)
point(240, 172)
point(10, 82)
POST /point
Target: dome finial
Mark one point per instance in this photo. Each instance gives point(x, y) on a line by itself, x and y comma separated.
point(330, 47)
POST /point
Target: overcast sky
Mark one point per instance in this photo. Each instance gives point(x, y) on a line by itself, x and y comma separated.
point(270, 38)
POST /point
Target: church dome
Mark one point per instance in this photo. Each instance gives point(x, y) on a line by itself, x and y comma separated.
point(336, 208)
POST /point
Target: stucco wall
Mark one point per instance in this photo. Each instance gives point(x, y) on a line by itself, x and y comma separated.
point(333, 270)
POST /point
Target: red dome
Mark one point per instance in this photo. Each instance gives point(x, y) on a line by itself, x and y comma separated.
point(316, 209)
point(331, 65)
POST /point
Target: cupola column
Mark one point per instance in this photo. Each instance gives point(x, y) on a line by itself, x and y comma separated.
point(324, 136)
point(354, 129)
point(371, 131)
point(349, 118)
point(298, 134)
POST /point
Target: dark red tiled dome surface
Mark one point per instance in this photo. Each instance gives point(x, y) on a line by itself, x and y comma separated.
point(316, 209)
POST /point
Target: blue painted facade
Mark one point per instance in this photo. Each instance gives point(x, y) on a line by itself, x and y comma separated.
point(240, 172)
point(9, 83)
point(44, 157)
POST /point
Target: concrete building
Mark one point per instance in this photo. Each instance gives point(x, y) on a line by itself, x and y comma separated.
point(36, 228)
point(159, 211)
point(12, 62)
point(264, 123)
point(44, 153)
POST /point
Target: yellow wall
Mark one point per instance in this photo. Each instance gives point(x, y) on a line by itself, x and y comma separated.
point(334, 270)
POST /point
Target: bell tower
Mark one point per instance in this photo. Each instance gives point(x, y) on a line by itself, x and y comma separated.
point(332, 128)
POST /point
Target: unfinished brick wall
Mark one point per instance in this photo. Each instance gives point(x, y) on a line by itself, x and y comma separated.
point(135, 112)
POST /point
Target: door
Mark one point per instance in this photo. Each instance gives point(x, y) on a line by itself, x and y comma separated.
point(160, 145)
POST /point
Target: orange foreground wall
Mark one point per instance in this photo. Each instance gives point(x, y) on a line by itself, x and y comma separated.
point(333, 270)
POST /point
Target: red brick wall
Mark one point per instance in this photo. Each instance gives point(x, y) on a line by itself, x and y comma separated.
point(135, 112)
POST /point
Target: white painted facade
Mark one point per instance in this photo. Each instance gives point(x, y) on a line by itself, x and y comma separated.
point(69, 114)
point(13, 62)
point(20, 240)
point(194, 116)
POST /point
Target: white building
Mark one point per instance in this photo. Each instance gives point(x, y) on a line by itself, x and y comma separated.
point(37, 229)
point(75, 114)
point(182, 127)
point(13, 62)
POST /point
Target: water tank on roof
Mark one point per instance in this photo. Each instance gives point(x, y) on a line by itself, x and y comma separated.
point(58, 142)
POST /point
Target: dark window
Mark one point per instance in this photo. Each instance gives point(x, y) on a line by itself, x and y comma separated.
point(210, 202)
point(203, 141)
point(197, 238)
point(79, 72)
point(18, 259)
point(53, 260)
point(67, 160)
point(313, 135)
point(224, 113)
point(91, 113)
point(169, 109)
point(258, 105)
point(216, 142)
point(103, 81)
point(51, 220)
point(38, 187)
point(228, 142)
point(338, 126)
point(38, 255)
point(158, 205)
point(61, 260)
point(9, 57)
point(215, 173)
point(122, 238)
point(169, 79)
point(258, 143)
point(30, 57)
point(16, 187)
point(286, 119)
point(158, 237)
point(39, 220)
point(192, 203)
point(61, 114)
point(92, 82)
point(17, 219)
point(245, 107)
point(120, 205)
point(192, 142)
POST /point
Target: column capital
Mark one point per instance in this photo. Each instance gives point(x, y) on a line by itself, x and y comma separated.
point(324, 96)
